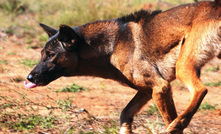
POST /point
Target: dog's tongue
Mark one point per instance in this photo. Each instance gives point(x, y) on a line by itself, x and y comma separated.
point(29, 84)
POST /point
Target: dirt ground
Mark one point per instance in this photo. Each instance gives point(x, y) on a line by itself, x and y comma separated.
point(105, 96)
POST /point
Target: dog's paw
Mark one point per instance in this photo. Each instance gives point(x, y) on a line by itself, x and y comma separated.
point(125, 129)
point(175, 127)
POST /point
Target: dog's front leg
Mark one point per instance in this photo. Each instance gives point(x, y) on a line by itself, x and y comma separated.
point(134, 106)
point(162, 96)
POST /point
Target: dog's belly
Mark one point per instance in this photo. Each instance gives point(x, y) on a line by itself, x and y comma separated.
point(144, 73)
point(166, 65)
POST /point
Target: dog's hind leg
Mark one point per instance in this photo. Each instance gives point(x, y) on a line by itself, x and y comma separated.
point(132, 108)
point(201, 45)
point(188, 75)
point(187, 71)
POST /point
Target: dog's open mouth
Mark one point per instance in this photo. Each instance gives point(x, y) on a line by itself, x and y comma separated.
point(29, 84)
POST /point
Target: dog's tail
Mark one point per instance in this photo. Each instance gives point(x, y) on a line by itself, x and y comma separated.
point(218, 2)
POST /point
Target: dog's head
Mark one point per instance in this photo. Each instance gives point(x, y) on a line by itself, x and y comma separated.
point(58, 57)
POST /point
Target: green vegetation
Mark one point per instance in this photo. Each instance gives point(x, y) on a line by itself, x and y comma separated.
point(73, 88)
point(12, 6)
point(213, 84)
point(28, 62)
point(17, 79)
point(70, 12)
point(65, 104)
point(213, 69)
point(12, 53)
point(3, 61)
point(152, 110)
point(28, 123)
point(113, 127)
point(207, 106)
point(21, 17)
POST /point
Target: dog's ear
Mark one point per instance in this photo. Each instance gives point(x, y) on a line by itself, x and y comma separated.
point(49, 30)
point(68, 36)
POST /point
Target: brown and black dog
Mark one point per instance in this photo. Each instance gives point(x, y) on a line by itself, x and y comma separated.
point(146, 50)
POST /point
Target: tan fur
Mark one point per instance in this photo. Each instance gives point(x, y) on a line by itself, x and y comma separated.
point(198, 41)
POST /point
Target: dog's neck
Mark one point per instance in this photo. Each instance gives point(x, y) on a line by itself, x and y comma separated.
point(94, 53)
point(99, 38)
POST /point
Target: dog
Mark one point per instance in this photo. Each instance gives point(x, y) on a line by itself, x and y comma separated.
point(145, 50)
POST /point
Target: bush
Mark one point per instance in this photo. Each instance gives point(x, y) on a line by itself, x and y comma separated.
point(73, 88)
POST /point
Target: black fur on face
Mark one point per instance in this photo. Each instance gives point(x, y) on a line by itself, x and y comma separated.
point(58, 57)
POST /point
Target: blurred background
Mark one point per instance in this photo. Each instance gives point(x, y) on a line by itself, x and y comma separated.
point(21, 17)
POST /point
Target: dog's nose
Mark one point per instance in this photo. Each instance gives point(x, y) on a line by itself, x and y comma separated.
point(30, 77)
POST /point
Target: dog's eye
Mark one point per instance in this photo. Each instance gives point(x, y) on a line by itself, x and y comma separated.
point(51, 55)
